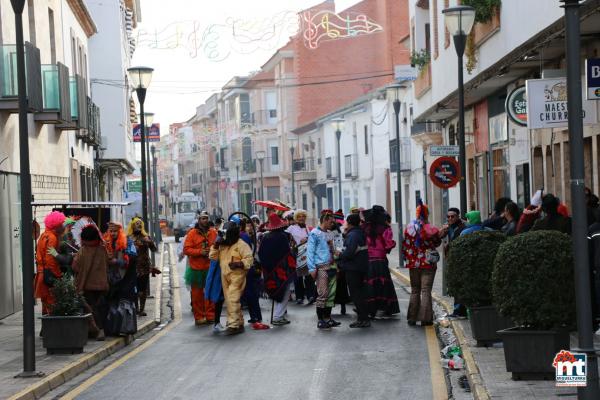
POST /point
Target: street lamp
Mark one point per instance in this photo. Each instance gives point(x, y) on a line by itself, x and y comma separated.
point(140, 78)
point(393, 92)
point(459, 22)
point(579, 224)
point(292, 150)
point(157, 232)
point(148, 119)
point(338, 125)
point(26, 214)
point(260, 156)
point(237, 173)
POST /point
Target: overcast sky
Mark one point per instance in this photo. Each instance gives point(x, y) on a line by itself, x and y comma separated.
point(196, 46)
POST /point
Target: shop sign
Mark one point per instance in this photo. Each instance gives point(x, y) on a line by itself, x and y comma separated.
point(444, 172)
point(547, 105)
point(592, 78)
point(405, 73)
point(516, 106)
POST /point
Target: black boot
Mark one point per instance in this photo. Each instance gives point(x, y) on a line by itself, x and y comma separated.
point(332, 323)
point(343, 309)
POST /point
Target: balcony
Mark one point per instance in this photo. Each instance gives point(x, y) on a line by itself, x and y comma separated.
point(264, 119)
point(93, 128)
point(9, 92)
point(305, 169)
point(482, 32)
point(427, 133)
point(55, 95)
point(423, 82)
point(78, 100)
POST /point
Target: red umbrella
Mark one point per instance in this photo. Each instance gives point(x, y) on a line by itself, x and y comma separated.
point(271, 204)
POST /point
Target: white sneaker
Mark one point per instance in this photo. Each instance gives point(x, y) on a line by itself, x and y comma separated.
point(218, 328)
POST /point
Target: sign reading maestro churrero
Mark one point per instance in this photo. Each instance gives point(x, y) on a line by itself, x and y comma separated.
point(547, 105)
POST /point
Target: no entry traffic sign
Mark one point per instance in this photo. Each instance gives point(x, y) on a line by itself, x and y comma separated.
point(444, 172)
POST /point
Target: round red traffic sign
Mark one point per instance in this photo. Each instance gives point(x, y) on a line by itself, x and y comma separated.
point(444, 172)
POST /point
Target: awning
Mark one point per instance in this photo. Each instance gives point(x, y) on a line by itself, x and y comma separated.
point(81, 204)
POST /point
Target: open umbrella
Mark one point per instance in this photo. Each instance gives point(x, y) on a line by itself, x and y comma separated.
point(78, 227)
point(272, 204)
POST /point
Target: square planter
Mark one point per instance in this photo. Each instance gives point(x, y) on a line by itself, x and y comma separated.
point(529, 354)
point(485, 322)
point(65, 334)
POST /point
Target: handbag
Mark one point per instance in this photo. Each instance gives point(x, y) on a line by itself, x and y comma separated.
point(432, 256)
point(302, 260)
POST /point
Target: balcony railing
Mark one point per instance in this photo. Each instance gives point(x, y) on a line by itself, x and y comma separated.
point(9, 91)
point(56, 95)
point(426, 127)
point(78, 99)
point(93, 118)
point(305, 169)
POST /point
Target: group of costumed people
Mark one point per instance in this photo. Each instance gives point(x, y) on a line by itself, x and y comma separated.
point(342, 260)
point(111, 271)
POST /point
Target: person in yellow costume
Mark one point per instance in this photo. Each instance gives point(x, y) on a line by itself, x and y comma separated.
point(235, 259)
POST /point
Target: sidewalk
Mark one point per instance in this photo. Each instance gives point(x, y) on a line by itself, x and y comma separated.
point(485, 366)
point(58, 369)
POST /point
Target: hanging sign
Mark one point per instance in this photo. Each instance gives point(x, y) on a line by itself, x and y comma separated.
point(152, 134)
point(444, 172)
point(592, 78)
point(516, 106)
point(547, 105)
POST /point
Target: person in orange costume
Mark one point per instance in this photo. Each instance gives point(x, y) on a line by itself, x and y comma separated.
point(46, 247)
point(197, 247)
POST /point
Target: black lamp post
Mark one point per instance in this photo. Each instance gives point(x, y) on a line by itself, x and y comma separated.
point(157, 232)
point(579, 224)
point(26, 214)
point(140, 78)
point(237, 177)
point(459, 22)
point(260, 156)
point(393, 92)
point(292, 149)
point(338, 125)
point(148, 121)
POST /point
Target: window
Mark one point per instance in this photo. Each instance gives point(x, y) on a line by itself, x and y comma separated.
point(52, 36)
point(366, 139)
point(304, 201)
point(31, 15)
point(329, 167)
point(73, 54)
point(187, 207)
point(393, 155)
point(428, 38)
point(348, 165)
point(274, 155)
point(523, 186)
point(272, 113)
point(330, 198)
point(452, 139)
point(245, 117)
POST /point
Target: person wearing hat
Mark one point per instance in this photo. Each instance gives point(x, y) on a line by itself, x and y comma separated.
point(304, 284)
point(48, 268)
point(420, 242)
point(197, 247)
point(235, 259)
point(381, 298)
point(143, 245)
point(473, 223)
point(338, 290)
point(66, 249)
point(278, 262)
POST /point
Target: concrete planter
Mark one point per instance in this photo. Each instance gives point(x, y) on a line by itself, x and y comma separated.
point(485, 322)
point(529, 354)
point(65, 334)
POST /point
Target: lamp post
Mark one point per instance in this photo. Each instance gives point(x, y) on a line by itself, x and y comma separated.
point(459, 22)
point(260, 156)
point(579, 224)
point(237, 177)
point(148, 119)
point(26, 214)
point(292, 149)
point(140, 78)
point(157, 231)
point(338, 125)
point(393, 92)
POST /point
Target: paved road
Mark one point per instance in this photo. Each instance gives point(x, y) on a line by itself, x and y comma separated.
point(388, 361)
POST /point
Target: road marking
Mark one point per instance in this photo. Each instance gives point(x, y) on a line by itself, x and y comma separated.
point(92, 380)
point(438, 382)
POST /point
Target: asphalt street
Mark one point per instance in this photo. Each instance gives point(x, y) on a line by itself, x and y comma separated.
point(388, 361)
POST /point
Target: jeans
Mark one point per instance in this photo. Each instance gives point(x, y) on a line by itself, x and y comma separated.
point(420, 307)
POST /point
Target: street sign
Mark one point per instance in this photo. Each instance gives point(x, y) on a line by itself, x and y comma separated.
point(405, 73)
point(516, 106)
point(443, 151)
point(592, 75)
point(134, 186)
point(444, 172)
point(152, 134)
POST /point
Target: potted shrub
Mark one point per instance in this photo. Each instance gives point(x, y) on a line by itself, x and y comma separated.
point(532, 283)
point(470, 264)
point(66, 328)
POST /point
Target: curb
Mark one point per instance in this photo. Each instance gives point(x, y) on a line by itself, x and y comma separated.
point(478, 388)
point(55, 379)
point(158, 289)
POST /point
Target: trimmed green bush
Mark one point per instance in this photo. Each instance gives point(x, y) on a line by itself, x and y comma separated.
point(470, 264)
point(67, 301)
point(533, 280)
